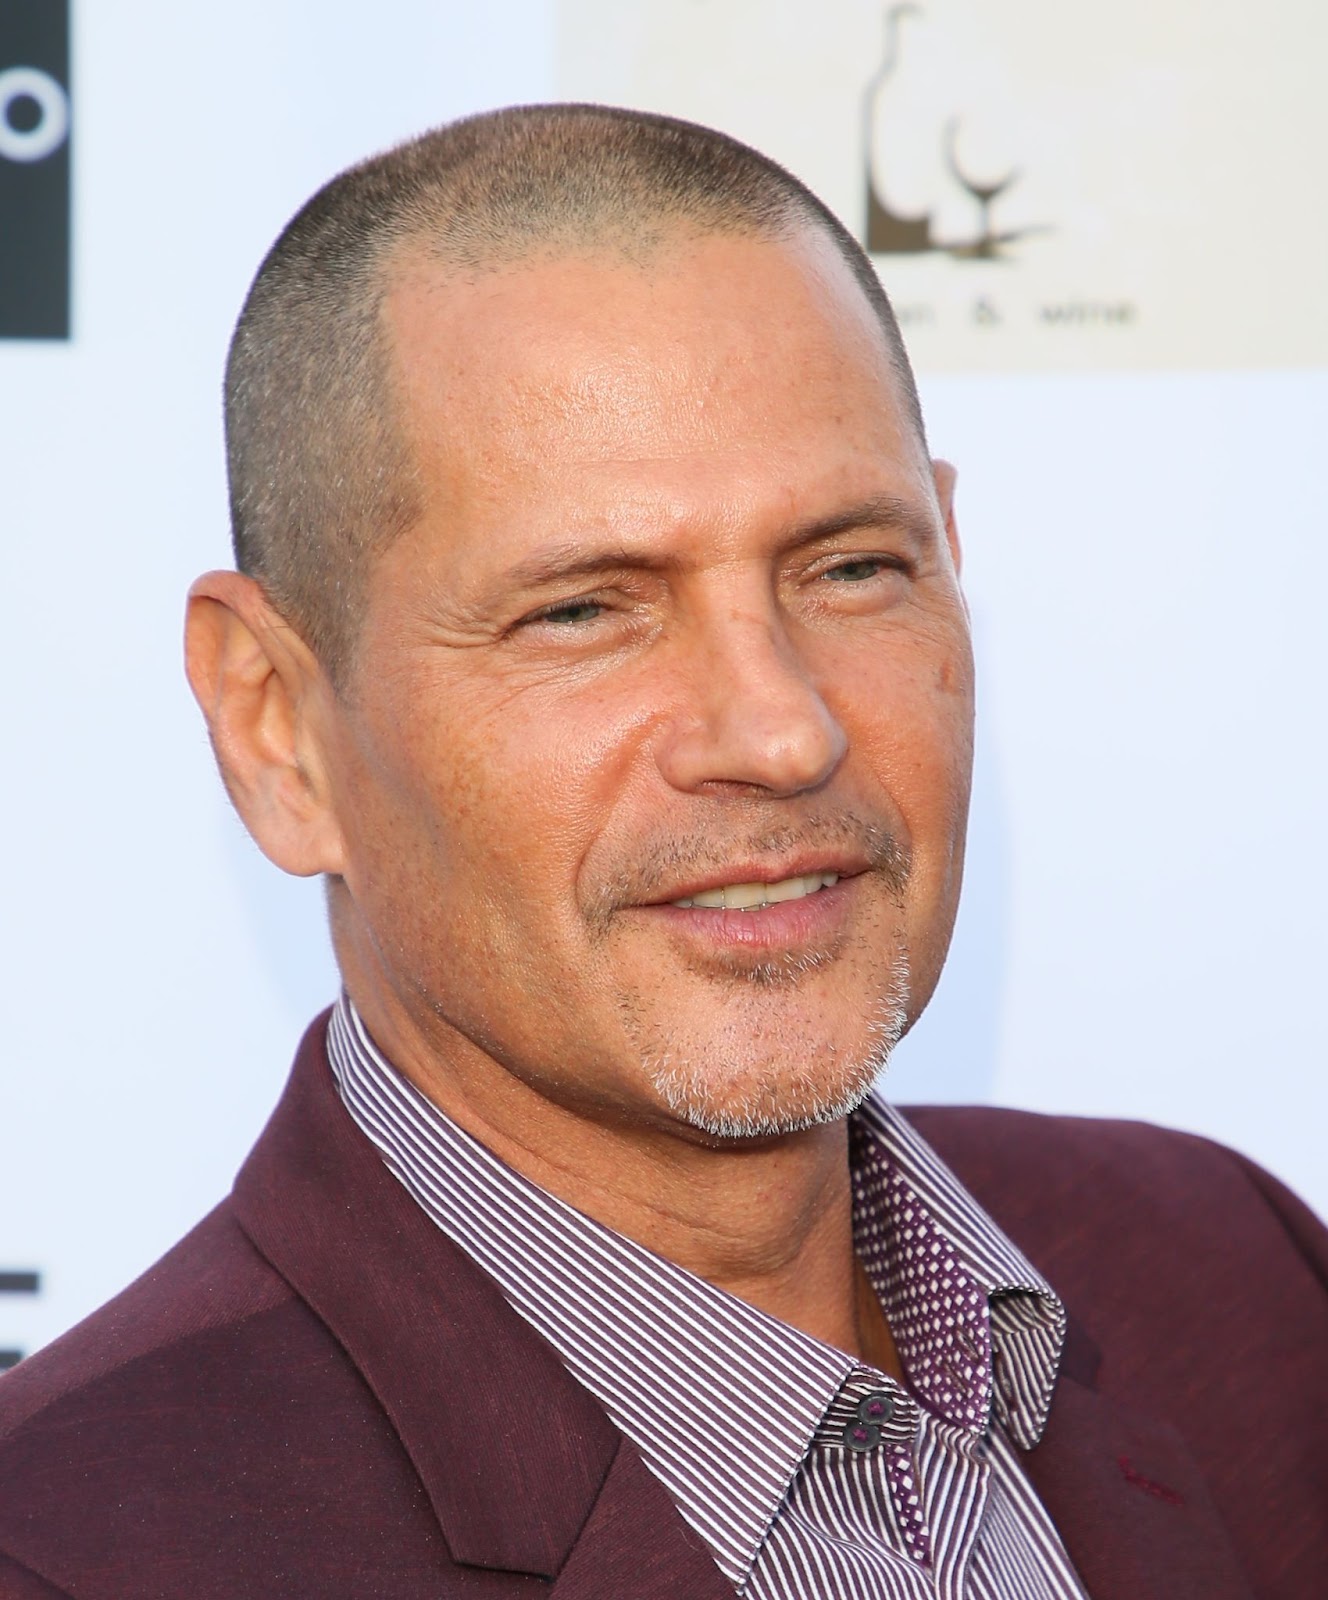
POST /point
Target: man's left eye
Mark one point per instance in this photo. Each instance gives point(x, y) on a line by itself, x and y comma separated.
point(855, 571)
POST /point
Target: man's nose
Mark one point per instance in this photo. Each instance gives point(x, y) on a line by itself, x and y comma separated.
point(750, 713)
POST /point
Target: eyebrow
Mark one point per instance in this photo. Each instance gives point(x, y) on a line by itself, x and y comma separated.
point(889, 511)
point(570, 559)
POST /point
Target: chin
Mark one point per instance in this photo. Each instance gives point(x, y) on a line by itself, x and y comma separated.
point(761, 1083)
point(767, 1108)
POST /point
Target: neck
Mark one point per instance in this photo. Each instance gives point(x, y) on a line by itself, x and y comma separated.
point(769, 1221)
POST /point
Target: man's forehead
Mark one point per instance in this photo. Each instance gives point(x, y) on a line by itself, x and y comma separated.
point(665, 275)
point(553, 338)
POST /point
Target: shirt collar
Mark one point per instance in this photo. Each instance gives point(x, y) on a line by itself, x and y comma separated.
point(722, 1400)
point(899, 1183)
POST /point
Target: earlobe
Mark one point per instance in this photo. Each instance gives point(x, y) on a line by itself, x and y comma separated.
point(260, 690)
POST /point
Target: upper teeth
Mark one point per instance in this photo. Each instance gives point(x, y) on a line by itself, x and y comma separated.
point(752, 896)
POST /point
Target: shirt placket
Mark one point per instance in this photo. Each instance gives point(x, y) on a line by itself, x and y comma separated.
point(941, 1325)
point(868, 1437)
point(955, 1480)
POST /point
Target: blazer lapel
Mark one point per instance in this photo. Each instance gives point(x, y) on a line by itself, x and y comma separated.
point(1130, 1503)
point(522, 1466)
point(636, 1543)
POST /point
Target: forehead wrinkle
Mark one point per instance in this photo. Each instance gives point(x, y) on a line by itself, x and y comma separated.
point(610, 407)
point(878, 511)
point(573, 558)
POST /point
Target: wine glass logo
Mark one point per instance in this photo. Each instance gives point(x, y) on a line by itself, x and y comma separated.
point(893, 232)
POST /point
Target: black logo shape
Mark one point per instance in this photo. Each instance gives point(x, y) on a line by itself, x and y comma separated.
point(17, 1283)
point(34, 169)
point(890, 233)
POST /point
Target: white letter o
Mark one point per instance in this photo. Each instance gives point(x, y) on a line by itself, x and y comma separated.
point(32, 144)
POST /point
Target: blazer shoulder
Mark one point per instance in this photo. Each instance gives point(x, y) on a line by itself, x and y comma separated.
point(998, 1149)
point(211, 1279)
point(201, 1425)
point(990, 1140)
point(1101, 1203)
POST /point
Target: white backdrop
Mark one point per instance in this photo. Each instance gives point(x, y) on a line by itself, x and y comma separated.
point(1146, 567)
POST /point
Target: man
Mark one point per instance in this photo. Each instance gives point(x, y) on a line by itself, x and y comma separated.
point(598, 638)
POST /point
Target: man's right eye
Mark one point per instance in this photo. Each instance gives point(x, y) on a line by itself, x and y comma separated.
point(568, 613)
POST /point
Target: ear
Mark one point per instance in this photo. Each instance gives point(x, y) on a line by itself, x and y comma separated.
point(944, 477)
point(268, 708)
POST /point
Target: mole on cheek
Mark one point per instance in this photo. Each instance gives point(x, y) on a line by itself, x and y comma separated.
point(954, 670)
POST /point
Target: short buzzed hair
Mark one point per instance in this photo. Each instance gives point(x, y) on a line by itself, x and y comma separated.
point(321, 474)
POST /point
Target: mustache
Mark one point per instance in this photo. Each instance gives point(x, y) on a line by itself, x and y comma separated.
point(664, 861)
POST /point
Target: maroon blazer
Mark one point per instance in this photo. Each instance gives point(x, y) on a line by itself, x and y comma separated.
point(317, 1394)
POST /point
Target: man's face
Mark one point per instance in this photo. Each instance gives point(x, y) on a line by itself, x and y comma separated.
point(680, 616)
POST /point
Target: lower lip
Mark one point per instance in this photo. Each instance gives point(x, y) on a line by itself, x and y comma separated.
point(785, 926)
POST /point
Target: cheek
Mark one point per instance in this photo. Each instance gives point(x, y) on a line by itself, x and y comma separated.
point(920, 749)
point(407, 796)
point(509, 793)
point(911, 714)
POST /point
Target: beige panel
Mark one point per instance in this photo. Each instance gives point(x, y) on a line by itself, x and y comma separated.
point(1055, 184)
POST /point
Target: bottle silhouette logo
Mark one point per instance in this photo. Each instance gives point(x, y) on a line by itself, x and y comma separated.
point(890, 232)
point(35, 125)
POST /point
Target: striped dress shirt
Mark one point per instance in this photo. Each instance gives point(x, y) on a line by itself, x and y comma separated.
point(809, 1475)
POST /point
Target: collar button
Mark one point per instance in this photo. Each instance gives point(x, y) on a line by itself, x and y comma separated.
point(877, 1407)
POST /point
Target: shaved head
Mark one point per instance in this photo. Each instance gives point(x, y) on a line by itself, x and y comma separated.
point(321, 473)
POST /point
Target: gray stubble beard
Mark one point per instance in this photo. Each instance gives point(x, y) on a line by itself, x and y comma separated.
point(798, 1094)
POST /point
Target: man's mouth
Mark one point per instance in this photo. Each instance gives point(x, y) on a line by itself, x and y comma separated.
point(754, 896)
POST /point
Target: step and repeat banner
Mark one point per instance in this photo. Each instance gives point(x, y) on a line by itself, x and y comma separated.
point(1104, 231)
point(1045, 188)
point(34, 172)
